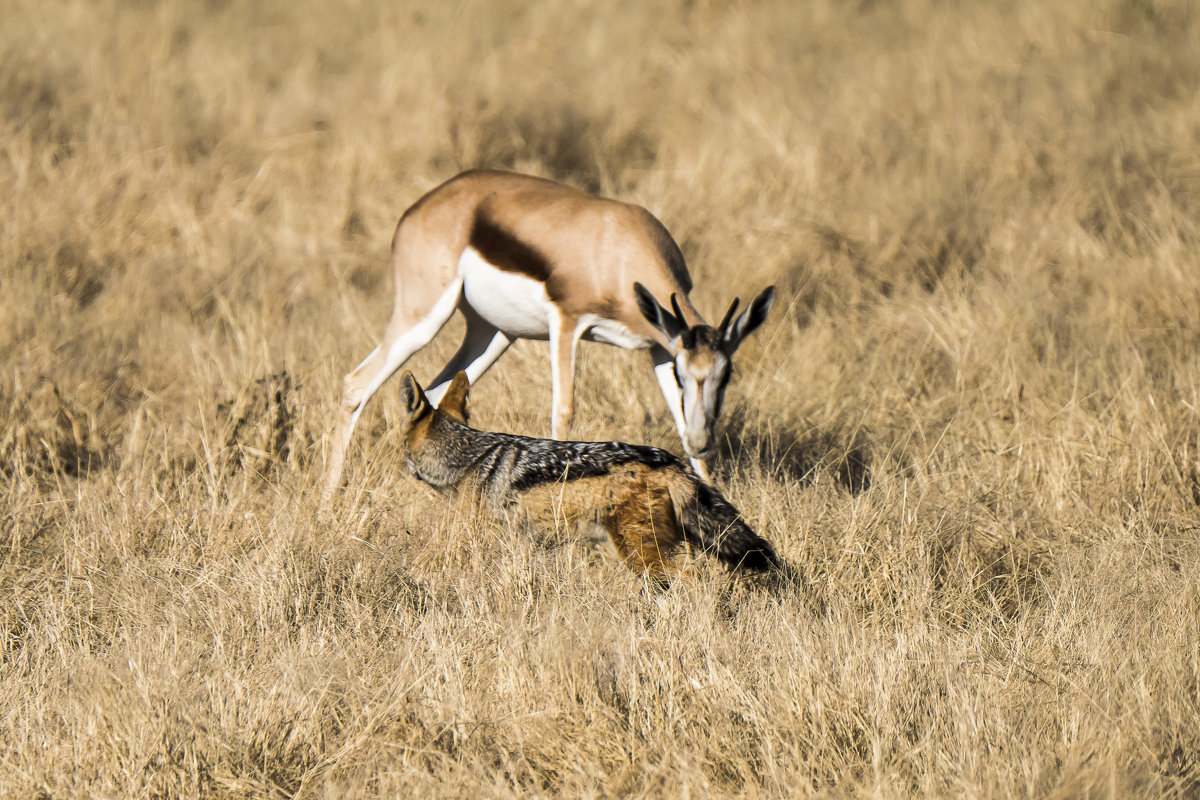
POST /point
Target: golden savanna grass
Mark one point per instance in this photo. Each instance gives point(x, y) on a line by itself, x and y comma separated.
point(971, 422)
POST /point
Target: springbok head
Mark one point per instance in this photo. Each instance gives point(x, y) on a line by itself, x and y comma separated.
point(703, 359)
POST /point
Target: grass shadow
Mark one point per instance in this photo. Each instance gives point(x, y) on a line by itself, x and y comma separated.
point(571, 144)
point(48, 436)
point(786, 454)
point(258, 425)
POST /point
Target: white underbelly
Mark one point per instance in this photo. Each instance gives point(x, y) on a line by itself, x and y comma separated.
point(517, 305)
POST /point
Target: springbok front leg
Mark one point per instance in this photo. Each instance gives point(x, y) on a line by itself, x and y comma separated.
point(664, 370)
point(564, 336)
point(400, 341)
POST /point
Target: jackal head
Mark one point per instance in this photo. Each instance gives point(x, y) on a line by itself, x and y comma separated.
point(703, 359)
point(427, 440)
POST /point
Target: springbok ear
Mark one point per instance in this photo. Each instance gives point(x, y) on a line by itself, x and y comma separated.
point(656, 315)
point(454, 401)
point(733, 334)
point(412, 394)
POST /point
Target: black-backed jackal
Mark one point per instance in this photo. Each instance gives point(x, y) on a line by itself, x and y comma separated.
point(645, 499)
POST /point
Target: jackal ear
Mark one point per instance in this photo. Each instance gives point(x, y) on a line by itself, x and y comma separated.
point(411, 393)
point(454, 401)
point(733, 333)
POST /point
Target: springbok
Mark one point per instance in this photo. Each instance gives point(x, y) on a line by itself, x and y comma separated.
point(528, 258)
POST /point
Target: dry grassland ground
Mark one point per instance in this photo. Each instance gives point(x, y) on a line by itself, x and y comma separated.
point(972, 421)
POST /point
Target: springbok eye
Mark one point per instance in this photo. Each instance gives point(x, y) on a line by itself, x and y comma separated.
point(721, 387)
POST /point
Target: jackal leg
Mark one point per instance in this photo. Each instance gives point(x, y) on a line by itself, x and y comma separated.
point(646, 533)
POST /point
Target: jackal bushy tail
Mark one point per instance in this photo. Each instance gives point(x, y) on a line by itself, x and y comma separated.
point(711, 523)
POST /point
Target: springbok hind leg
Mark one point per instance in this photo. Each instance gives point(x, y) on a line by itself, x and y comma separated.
point(399, 343)
point(482, 344)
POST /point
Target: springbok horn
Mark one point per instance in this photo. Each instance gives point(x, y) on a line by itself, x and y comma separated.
point(678, 312)
point(729, 315)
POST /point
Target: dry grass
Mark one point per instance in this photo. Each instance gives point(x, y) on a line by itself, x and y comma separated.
point(971, 421)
